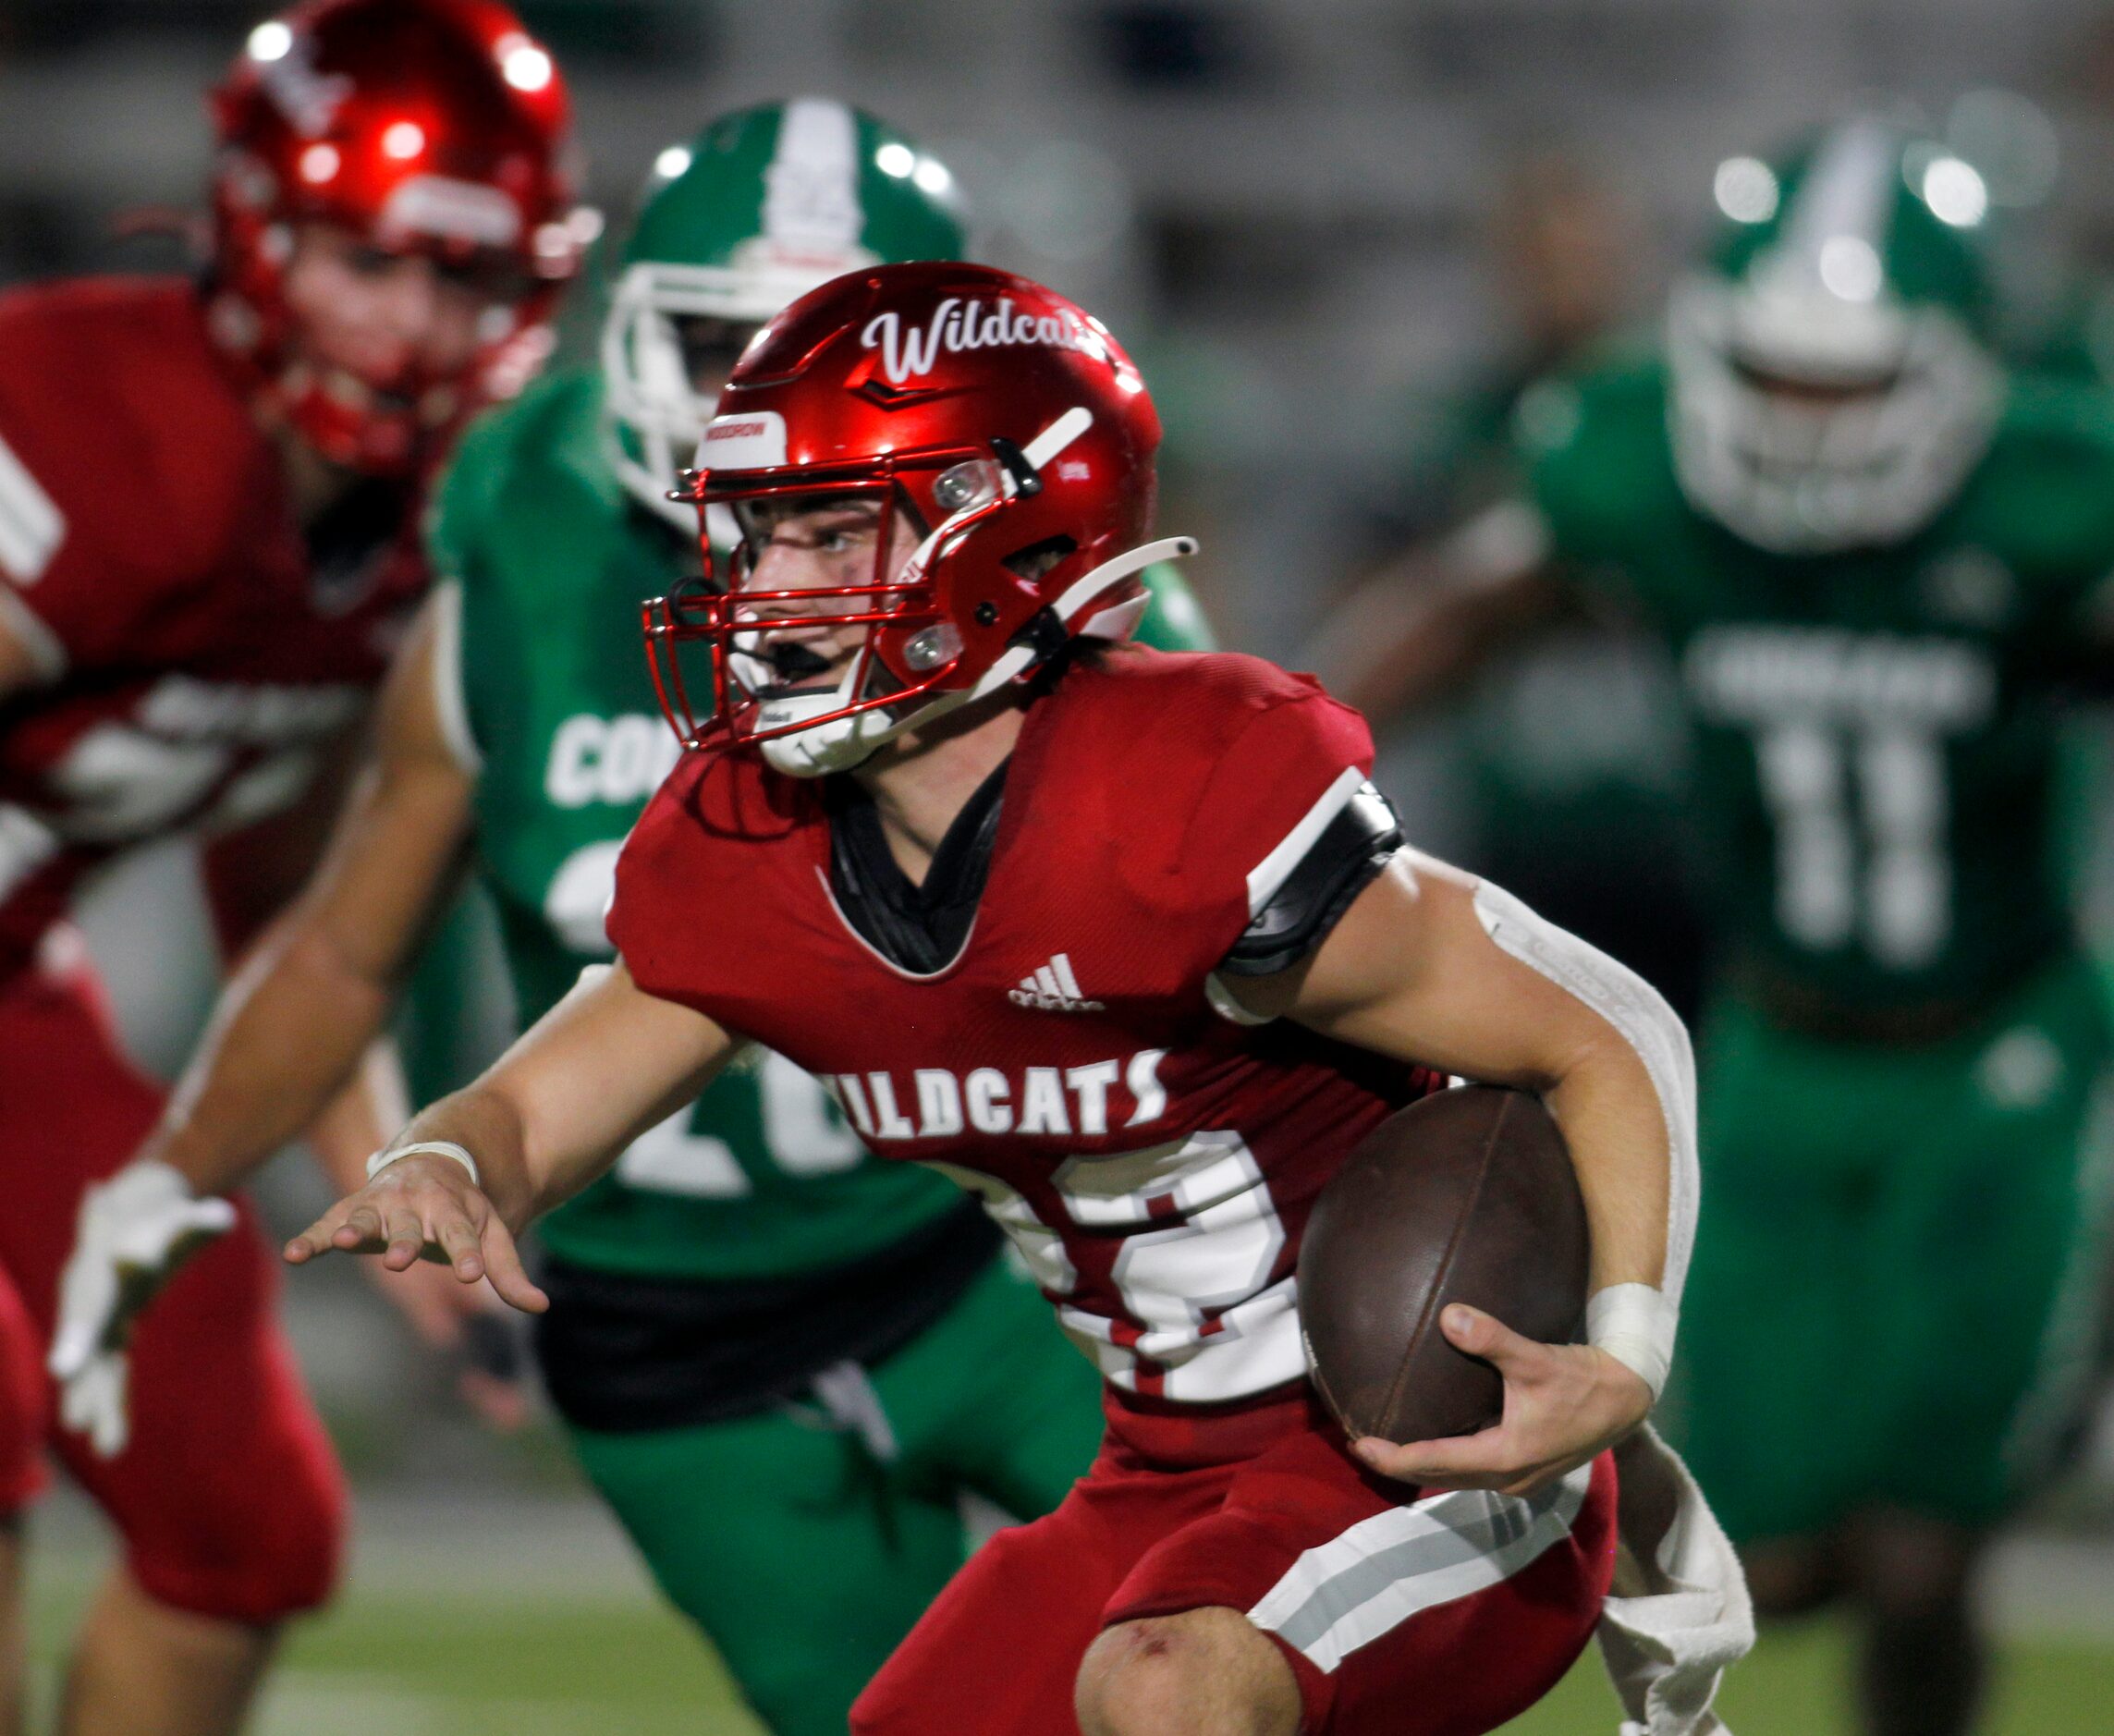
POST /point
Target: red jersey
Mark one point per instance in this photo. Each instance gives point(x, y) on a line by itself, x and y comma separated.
point(195, 660)
point(1154, 1161)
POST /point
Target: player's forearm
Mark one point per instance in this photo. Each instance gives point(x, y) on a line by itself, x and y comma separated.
point(1623, 1090)
point(313, 994)
point(597, 1071)
point(1435, 966)
point(527, 1163)
point(1413, 634)
point(1623, 1155)
point(288, 1035)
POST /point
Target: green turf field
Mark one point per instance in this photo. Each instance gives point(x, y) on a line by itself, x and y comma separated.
point(494, 1661)
point(1795, 1685)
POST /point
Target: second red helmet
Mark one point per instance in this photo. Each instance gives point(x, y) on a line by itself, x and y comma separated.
point(437, 127)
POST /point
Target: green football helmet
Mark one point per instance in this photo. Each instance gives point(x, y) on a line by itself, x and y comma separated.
point(762, 206)
point(1832, 377)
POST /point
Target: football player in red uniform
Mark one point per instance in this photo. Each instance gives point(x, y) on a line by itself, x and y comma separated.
point(1127, 943)
point(207, 548)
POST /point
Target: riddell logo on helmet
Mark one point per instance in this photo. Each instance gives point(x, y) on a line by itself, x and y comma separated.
point(956, 325)
point(752, 441)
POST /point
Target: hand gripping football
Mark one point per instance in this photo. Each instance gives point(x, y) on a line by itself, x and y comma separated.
point(1469, 1196)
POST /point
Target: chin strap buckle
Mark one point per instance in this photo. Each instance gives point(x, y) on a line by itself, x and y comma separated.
point(1026, 482)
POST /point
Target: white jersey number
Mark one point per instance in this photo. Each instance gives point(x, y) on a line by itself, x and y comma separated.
point(1861, 839)
point(1201, 1236)
point(1851, 731)
point(802, 1128)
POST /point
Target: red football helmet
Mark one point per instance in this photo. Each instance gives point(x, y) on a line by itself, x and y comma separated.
point(437, 127)
point(1004, 419)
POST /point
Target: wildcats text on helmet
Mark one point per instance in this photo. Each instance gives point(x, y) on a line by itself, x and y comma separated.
point(958, 326)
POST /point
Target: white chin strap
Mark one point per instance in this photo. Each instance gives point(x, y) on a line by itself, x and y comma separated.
point(843, 742)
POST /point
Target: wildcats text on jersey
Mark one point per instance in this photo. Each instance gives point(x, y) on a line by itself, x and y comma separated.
point(1044, 1102)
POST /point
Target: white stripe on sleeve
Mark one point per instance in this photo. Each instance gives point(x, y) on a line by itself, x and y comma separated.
point(1271, 873)
point(30, 630)
point(32, 526)
point(449, 700)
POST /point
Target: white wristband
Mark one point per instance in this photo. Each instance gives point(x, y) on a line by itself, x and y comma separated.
point(439, 1148)
point(1634, 1324)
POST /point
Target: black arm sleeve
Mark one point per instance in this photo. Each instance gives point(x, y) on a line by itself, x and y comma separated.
point(1298, 917)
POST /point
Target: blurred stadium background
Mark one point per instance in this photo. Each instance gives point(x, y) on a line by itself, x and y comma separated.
point(1334, 232)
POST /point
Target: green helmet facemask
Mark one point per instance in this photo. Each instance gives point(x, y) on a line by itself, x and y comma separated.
point(1832, 383)
point(762, 206)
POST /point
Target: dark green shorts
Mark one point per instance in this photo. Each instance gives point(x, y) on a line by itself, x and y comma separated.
point(806, 1541)
point(1896, 1291)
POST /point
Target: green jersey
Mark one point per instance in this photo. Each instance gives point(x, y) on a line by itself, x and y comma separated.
point(1876, 730)
point(545, 689)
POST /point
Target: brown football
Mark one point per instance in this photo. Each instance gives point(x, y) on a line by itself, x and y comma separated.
point(1467, 1195)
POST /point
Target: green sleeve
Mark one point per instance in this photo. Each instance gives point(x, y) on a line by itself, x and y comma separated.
point(461, 511)
point(1593, 447)
point(1173, 619)
point(1599, 469)
point(458, 524)
point(2046, 496)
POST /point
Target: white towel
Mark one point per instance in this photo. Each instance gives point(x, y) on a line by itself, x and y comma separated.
point(1677, 1614)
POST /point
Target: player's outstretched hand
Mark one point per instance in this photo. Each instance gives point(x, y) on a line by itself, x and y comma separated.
point(1564, 1403)
point(424, 1207)
point(132, 1233)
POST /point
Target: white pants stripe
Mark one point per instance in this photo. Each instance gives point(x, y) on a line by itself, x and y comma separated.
point(1358, 1586)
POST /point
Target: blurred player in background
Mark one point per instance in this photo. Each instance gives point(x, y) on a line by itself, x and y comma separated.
point(1030, 898)
point(781, 1362)
point(208, 496)
point(1879, 561)
point(1570, 750)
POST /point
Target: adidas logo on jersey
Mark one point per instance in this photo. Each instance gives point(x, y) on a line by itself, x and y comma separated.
point(1053, 988)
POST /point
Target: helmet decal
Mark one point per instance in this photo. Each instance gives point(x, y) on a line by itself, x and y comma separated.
point(810, 201)
point(959, 326)
point(444, 209)
point(310, 100)
point(1839, 218)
